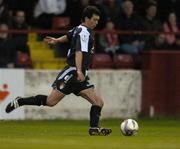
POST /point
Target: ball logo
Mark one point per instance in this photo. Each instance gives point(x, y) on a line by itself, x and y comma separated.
point(4, 92)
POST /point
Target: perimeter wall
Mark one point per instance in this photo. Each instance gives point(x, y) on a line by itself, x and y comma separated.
point(120, 89)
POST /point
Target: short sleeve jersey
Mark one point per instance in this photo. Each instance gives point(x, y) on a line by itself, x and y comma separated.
point(81, 39)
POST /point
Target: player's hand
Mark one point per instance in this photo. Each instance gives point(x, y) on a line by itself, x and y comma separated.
point(80, 76)
point(50, 40)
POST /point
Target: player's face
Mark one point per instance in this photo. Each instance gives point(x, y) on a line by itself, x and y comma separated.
point(93, 21)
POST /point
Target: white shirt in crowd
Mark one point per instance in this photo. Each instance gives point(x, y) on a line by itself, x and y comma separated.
point(50, 7)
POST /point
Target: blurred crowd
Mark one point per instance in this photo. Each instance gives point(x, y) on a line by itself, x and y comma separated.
point(158, 16)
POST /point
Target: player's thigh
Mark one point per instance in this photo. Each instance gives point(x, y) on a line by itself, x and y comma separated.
point(54, 97)
point(92, 96)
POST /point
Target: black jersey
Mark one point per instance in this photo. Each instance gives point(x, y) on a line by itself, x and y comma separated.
point(81, 39)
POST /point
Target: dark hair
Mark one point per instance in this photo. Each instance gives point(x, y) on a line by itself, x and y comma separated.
point(150, 4)
point(89, 11)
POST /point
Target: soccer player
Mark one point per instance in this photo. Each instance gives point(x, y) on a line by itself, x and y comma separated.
point(73, 78)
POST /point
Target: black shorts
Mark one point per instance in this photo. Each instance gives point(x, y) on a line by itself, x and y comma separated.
point(66, 82)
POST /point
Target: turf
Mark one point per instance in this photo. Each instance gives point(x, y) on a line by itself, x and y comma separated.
point(66, 134)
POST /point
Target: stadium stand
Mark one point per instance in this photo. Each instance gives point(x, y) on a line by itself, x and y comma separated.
point(124, 61)
point(43, 56)
point(60, 22)
point(101, 61)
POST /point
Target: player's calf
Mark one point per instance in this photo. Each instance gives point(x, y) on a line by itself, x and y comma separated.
point(37, 100)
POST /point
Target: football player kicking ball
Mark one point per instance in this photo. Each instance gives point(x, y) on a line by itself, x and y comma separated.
point(73, 78)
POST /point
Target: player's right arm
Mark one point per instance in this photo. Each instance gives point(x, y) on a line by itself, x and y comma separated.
point(62, 39)
point(52, 40)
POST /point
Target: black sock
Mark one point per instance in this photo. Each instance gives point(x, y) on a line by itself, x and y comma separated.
point(95, 114)
point(34, 100)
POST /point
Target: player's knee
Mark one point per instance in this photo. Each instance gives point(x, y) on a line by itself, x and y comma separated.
point(50, 103)
point(99, 103)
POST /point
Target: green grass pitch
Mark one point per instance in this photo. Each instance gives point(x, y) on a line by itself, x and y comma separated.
point(67, 134)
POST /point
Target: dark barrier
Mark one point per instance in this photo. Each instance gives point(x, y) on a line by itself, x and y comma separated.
point(161, 83)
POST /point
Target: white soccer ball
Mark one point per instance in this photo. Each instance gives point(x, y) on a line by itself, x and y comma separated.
point(129, 127)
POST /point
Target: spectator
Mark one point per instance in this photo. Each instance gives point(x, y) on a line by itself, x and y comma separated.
point(171, 26)
point(7, 49)
point(46, 9)
point(111, 10)
point(23, 59)
point(163, 8)
point(176, 4)
point(141, 4)
point(4, 13)
point(129, 21)
point(44, 12)
point(27, 6)
point(150, 23)
point(19, 23)
point(108, 41)
point(160, 43)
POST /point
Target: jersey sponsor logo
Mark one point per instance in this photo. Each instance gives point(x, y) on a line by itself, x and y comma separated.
point(84, 41)
point(84, 38)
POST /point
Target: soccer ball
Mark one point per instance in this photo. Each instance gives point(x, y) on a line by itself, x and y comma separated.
point(129, 127)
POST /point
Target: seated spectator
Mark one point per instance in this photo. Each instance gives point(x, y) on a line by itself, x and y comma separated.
point(108, 41)
point(111, 10)
point(129, 21)
point(45, 10)
point(160, 43)
point(7, 49)
point(5, 16)
point(23, 59)
point(151, 23)
point(141, 4)
point(19, 23)
point(171, 26)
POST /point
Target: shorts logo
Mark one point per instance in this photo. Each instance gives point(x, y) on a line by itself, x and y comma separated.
point(67, 78)
point(61, 86)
